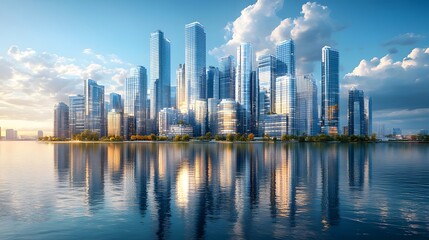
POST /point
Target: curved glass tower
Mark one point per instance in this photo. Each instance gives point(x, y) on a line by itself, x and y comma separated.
point(330, 91)
point(243, 84)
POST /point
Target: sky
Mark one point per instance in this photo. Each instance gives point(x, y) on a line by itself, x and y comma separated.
point(48, 47)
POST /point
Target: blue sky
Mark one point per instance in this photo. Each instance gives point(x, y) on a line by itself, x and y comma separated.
point(48, 47)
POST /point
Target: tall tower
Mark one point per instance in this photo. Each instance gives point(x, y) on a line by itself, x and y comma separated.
point(181, 85)
point(76, 114)
point(159, 73)
point(212, 82)
point(267, 80)
point(285, 53)
point(135, 102)
point(94, 107)
point(115, 102)
point(61, 120)
point(306, 107)
point(330, 91)
point(286, 100)
point(227, 77)
point(243, 84)
point(195, 64)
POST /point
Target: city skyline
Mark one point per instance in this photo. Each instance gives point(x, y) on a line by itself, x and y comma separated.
point(29, 71)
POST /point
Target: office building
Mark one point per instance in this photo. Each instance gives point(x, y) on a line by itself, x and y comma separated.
point(11, 134)
point(285, 102)
point(94, 107)
point(135, 102)
point(359, 113)
point(167, 118)
point(306, 108)
point(276, 125)
point(227, 77)
point(368, 114)
point(243, 84)
point(200, 110)
point(115, 123)
point(181, 85)
point(330, 91)
point(285, 54)
point(115, 102)
point(76, 114)
point(195, 64)
point(267, 81)
point(159, 73)
point(227, 117)
point(61, 120)
point(212, 82)
point(212, 120)
point(173, 96)
point(180, 129)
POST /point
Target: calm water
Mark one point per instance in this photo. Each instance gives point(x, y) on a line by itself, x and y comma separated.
point(213, 191)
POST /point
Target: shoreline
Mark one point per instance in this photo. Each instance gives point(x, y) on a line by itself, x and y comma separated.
point(217, 142)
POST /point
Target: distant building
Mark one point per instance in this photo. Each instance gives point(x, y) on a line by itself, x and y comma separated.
point(424, 132)
point(212, 90)
point(61, 120)
point(276, 125)
point(368, 114)
point(115, 123)
point(11, 134)
point(94, 107)
point(307, 117)
point(285, 102)
point(212, 116)
point(167, 118)
point(227, 77)
point(359, 113)
point(115, 102)
point(180, 130)
point(40, 134)
point(227, 117)
point(330, 91)
point(396, 131)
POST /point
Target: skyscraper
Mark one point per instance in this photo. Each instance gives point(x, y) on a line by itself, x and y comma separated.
point(212, 82)
point(227, 117)
point(286, 100)
point(159, 73)
point(135, 102)
point(180, 93)
point(114, 123)
point(243, 84)
point(285, 53)
point(359, 113)
point(61, 120)
point(227, 77)
point(115, 102)
point(306, 108)
point(195, 63)
point(330, 91)
point(267, 80)
point(94, 107)
point(76, 114)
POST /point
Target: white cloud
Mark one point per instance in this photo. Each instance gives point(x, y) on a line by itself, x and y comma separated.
point(32, 82)
point(260, 25)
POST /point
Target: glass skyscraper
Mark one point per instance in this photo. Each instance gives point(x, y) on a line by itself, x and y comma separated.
point(306, 108)
point(115, 102)
point(285, 53)
point(159, 73)
point(286, 100)
point(61, 120)
point(180, 93)
point(76, 114)
point(243, 84)
point(359, 113)
point(227, 77)
point(94, 107)
point(212, 82)
point(227, 117)
point(195, 63)
point(135, 102)
point(330, 89)
point(267, 80)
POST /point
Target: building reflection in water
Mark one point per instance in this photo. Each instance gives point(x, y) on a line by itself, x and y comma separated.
point(199, 183)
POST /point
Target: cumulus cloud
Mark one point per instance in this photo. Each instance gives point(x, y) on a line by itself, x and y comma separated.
point(404, 39)
point(260, 25)
point(32, 82)
point(399, 88)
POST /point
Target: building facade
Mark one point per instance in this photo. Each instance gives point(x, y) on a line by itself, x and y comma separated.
point(94, 107)
point(330, 91)
point(285, 102)
point(227, 77)
point(212, 82)
point(227, 117)
point(285, 54)
point(307, 119)
point(115, 102)
point(76, 114)
point(181, 85)
point(243, 84)
point(115, 123)
point(359, 114)
point(167, 118)
point(61, 120)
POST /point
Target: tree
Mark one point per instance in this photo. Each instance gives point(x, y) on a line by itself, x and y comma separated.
point(251, 136)
point(208, 136)
point(230, 137)
point(185, 137)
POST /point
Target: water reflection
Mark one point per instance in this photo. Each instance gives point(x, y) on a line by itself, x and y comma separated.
point(231, 190)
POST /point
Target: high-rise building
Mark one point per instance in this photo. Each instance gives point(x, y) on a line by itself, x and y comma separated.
point(115, 102)
point(212, 82)
point(195, 64)
point(181, 85)
point(359, 113)
point(61, 120)
point(115, 123)
point(267, 81)
point(200, 117)
point(159, 73)
point(76, 114)
point(227, 117)
point(167, 118)
point(135, 102)
point(173, 96)
point(285, 54)
point(94, 107)
point(330, 91)
point(212, 108)
point(227, 77)
point(368, 115)
point(306, 108)
point(286, 100)
point(243, 84)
